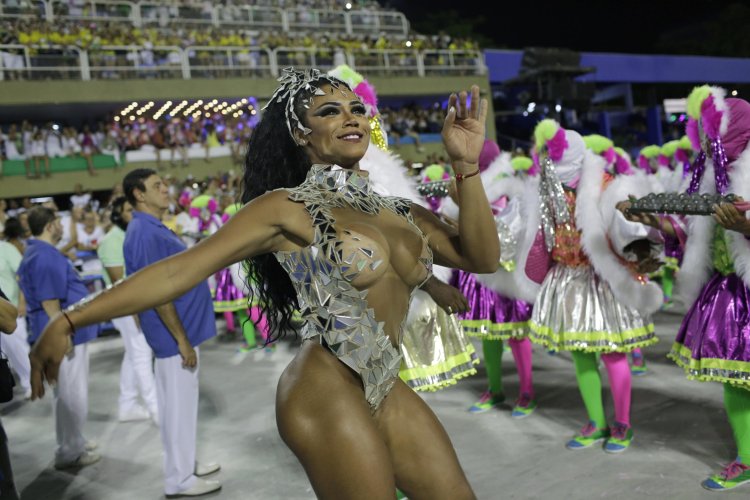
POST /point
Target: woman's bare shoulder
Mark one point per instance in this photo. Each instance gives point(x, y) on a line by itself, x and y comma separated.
point(278, 209)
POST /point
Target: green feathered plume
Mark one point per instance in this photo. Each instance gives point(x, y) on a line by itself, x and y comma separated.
point(201, 201)
point(651, 151)
point(598, 143)
point(232, 209)
point(544, 131)
point(434, 172)
point(670, 148)
point(695, 100)
point(346, 74)
point(521, 163)
point(684, 143)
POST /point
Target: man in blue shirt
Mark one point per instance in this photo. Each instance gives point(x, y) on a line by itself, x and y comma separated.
point(50, 283)
point(174, 331)
point(137, 370)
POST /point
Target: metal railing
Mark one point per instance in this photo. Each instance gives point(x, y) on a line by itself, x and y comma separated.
point(136, 61)
point(256, 17)
point(91, 10)
point(147, 12)
point(301, 19)
point(218, 62)
point(31, 10)
point(388, 62)
point(39, 63)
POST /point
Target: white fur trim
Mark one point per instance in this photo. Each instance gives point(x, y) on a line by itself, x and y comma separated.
point(442, 273)
point(512, 187)
point(622, 232)
point(719, 95)
point(739, 245)
point(449, 208)
point(389, 175)
point(645, 298)
point(494, 188)
point(499, 166)
point(504, 283)
point(696, 264)
point(623, 186)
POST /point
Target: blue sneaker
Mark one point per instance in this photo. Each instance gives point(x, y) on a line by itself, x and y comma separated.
point(639, 365)
point(486, 402)
point(733, 475)
point(588, 437)
point(524, 406)
point(621, 437)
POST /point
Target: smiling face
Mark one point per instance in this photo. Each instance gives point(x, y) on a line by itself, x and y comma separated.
point(340, 129)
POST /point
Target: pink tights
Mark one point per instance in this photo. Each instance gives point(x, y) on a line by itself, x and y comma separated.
point(620, 384)
point(521, 349)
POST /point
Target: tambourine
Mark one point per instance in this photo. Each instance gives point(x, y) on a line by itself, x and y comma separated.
point(684, 204)
point(437, 189)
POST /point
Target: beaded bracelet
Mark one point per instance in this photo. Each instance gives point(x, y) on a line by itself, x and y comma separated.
point(72, 327)
point(460, 177)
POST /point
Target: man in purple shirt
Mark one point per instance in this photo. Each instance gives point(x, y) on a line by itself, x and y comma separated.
point(50, 283)
point(174, 331)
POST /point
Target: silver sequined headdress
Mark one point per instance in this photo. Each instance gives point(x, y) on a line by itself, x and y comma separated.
point(551, 147)
point(292, 82)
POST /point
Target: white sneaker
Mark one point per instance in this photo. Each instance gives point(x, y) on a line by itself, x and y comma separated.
point(86, 458)
point(135, 414)
point(91, 445)
point(206, 469)
point(201, 487)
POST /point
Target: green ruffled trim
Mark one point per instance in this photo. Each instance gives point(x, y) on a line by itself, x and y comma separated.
point(730, 371)
point(592, 341)
point(486, 329)
point(230, 305)
point(442, 375)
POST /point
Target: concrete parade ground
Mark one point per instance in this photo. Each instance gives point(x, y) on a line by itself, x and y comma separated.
point(681, 434)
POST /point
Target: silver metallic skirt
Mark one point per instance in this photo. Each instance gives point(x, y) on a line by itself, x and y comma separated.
point(436, 351)
point(575, 310)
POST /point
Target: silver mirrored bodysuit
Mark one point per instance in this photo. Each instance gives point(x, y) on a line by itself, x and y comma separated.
point(335, 312)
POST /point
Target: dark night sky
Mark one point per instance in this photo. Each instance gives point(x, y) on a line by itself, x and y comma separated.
point(605, 25)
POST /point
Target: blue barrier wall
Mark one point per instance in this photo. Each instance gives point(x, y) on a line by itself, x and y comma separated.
point(634, 68)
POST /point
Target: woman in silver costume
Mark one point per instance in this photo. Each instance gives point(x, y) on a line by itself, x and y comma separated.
point(352, 259)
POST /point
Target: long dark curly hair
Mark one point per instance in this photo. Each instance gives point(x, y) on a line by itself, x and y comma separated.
point(273, 161)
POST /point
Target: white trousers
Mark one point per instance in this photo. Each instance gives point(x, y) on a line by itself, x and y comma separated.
point(137, 371)
point(71, 404)
point(16, 348)
point(177, 395)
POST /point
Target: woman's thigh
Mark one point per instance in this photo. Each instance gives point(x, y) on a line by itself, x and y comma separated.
point(323, 417)
point(424, 461)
